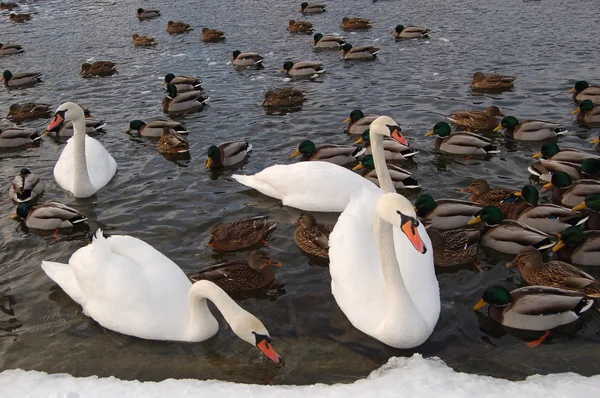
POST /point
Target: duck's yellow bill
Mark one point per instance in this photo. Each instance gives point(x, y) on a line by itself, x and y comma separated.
point(281, 70)
point(128, 130)
point(358, 167)
point(482, 303)
point(572, 90)
point(595, 141)
point(46, 132)
point(429, 133)
point(359, 141)
point(576, 111)
point(498, 127)
point(548, 185)
point(15, 216)
point(580, 206)
point(163, 83)
point(297, 153)
point(558, 246)
point(519, 193)
point(346, 120)
point(209, 163)
point(537, 155)
point(475, 220)
point(511, 264)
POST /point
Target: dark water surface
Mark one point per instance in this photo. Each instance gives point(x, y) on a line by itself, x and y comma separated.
point(548, 44)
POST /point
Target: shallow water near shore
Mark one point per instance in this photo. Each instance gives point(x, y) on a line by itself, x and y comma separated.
point(171, 205)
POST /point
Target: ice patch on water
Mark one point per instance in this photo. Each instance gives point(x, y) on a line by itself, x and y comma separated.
point(444, 39)
point(145, 92)
point(212, 63)
point(286, 79)
point(179, 55)
point(400, 377)
point(435, 73)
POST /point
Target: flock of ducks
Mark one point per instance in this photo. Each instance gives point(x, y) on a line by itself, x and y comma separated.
point(372, 259)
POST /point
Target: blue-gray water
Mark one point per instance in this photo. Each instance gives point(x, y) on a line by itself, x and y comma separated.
point(548, 44)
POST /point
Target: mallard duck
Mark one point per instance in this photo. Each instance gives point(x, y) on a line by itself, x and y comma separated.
point(460, 143)
point(300, 27)
point(98, 68)
point(65, 129)
point(8, 6)
point(178, 27)
point(544, 169)
point(28, 111)
point(227, 154)
point(591, 208)
point(26, 186)
point(241, 234)
point(548, 218)
point(182, 102)
point(19, 17)
point(538, 308)
point(392, 149)
point(312, 8)
point(338, 154)
point(588, 114)
point(529, 130)
point(246, 59)
point(212, 35)
point(401, 179)
point(410, 32)
point(172, 142)
point(551, 151)
point(503, 198)
point(10, 49)
point(358, 122)
point(49, 216)
point(243, 275)
point(578, 247)
point(143, 41)
point(355, 23)
point(452, 247)
point(445, 213)
point(568, 192)
point(183, 84)
point(284, 97)
point(477, 120)
point(359, 52)
point(147, 14)
point(20, 79)
point(492, 82)
point(327, 41)
point(583, 91)
point(556, 274)
point(155, 127)
point(508, 236)
point(312, 237)
point(303, 68)
point(12, 137)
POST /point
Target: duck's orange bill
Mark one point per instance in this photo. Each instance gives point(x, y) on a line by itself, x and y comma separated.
point(397, 135)
point(558, 246)
point(268, 350)
point(537, 155)
point(572, 90)
point(412, 233)
point(548, 185)
point(482, 303)
point(275, 263)
point(580, 206)
point(56, 121)
point(297, 153)
point(209, 163)
point(346, 120)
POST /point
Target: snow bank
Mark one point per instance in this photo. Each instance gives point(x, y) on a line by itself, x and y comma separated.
point(414, 377)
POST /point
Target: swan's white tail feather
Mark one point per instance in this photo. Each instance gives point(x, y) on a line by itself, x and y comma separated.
point(63, 275)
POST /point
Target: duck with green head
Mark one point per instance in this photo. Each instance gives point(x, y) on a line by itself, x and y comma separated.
point(392, 149)
point(155, 127)
point(410, 32)
point(445, 214)
point(20, 79)
point(544, 169)
point(591, 208)
point(548, 218)
point(537, 308)
point(588, 114)
point(402, 179)
point(327, 41)
point(578, 247)
point(551, 151)
point(227, 154)
point(570, 193)
point(460, 143)
point(245, 59)
point(312, 8)
point(175, 102)
point(508, 236)
point(50, 216)
point(183, 84)
point(303, 68)
point(358, 122)
point(358, 52)
point(337, 154)
point(583, 91)
point(529, 130)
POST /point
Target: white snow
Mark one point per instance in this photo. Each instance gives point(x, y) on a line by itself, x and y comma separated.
point(413, 377)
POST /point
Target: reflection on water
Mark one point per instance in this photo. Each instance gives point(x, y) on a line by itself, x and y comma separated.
point(172, 204)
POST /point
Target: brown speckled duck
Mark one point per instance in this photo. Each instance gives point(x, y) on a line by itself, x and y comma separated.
point(284, 97)
point(312, 237)
point(98, 68)
point(143, 41)
point(477, 120)
point(503, 198)
point(492, 82)
point(28, 111)
point(241, 276)
point(171, 142)
point(355, 23)
point(19, 17)
point(300, 27)
point(212, 35)
point(241, 234)
point(177, 27)
point(452, 247)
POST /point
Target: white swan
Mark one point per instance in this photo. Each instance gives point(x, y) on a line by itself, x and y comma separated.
point(127, 286)
point(314, 186)
point(354, 254)
point(84, 165)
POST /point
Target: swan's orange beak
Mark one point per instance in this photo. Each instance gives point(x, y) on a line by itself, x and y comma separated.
point(397, 135)
point(268, 350)
point(412, 234)
point(56, 121)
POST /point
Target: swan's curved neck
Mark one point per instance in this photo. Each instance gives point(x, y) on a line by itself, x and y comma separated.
point(81, 175)
point(383, 174)
point(200, 315)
